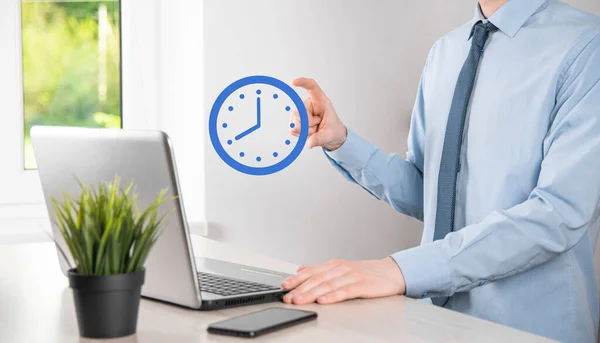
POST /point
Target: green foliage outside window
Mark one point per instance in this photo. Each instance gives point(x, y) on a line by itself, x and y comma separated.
point(71, 66)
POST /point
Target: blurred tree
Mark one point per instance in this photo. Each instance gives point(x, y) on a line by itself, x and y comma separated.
point(62, 62)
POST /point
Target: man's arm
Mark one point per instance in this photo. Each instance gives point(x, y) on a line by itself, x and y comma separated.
point(391, 178)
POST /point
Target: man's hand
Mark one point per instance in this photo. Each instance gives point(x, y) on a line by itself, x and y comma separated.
point(336, 281)
point(325, 127)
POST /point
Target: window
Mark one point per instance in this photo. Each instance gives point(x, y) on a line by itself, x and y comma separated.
point(60, 65)
point(95, 63)
point(71, 66)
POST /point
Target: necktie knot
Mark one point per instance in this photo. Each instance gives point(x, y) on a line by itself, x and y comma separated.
point(481, 32)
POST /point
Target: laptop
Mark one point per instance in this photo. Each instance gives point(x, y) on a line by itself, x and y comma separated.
point(173, 273)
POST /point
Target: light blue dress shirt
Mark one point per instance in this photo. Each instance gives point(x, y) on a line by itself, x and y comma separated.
point(528, 191)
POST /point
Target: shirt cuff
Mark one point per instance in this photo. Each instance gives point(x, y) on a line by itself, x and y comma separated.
point(354, 154)
point(425, 270)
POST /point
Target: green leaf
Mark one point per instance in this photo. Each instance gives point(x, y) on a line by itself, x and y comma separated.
point(104, 229)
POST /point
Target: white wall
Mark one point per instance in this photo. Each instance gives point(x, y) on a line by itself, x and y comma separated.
point(367, 56)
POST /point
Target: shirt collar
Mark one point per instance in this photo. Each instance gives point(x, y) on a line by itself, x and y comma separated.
point(511, 16)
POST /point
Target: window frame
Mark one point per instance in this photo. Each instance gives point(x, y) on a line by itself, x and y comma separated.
point(17, 186)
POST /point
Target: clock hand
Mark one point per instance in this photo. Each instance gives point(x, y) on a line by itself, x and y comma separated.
point(246, 133)
point(255, 127)
point(258, 111)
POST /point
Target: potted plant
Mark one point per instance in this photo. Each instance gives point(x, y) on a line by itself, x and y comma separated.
point(109, 239)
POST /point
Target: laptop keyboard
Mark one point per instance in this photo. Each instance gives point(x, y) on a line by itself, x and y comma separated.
point(220, 285)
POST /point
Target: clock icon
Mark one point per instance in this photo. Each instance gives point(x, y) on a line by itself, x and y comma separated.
point(249, 125)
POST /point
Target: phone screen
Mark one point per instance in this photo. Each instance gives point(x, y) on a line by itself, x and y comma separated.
point(255, 323)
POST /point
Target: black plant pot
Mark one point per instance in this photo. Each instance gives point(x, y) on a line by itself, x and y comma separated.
point(107, 306)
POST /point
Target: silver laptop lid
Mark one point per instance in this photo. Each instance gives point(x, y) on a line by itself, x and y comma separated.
point(65, 155)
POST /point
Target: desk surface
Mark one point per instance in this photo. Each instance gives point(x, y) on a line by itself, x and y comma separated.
point(36, 305)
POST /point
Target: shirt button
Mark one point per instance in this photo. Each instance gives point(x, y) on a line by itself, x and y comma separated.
point(481, 283)
point(424, 295)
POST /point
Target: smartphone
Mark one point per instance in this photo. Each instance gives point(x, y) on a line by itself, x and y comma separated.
point(261, 322)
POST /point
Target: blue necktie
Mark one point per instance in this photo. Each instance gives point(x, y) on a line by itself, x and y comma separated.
point(450, 164)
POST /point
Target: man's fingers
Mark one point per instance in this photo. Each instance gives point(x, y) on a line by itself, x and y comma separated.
point(296, 132)
point(307, 83)
point(314, 140)
point(295, 117)
point(318, 279)
point(324, 273)
point(314, 91)
point(313, 125)
point(296, 122)
point(296, 280)
point(314, 121)
point(347, 292)
point(309, 107)
point(297, 125)
point(313, 118)
point(332, 281)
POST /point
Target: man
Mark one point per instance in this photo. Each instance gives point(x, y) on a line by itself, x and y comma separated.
point(503, 167)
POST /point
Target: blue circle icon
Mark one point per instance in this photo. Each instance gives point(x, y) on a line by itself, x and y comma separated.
point(257, 122)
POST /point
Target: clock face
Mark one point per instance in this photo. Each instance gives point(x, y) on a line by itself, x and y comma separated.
point(249, 125)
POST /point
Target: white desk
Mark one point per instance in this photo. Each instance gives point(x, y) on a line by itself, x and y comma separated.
point(36, 305)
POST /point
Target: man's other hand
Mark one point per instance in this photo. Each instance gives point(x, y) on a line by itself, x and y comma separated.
point(336, 281)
